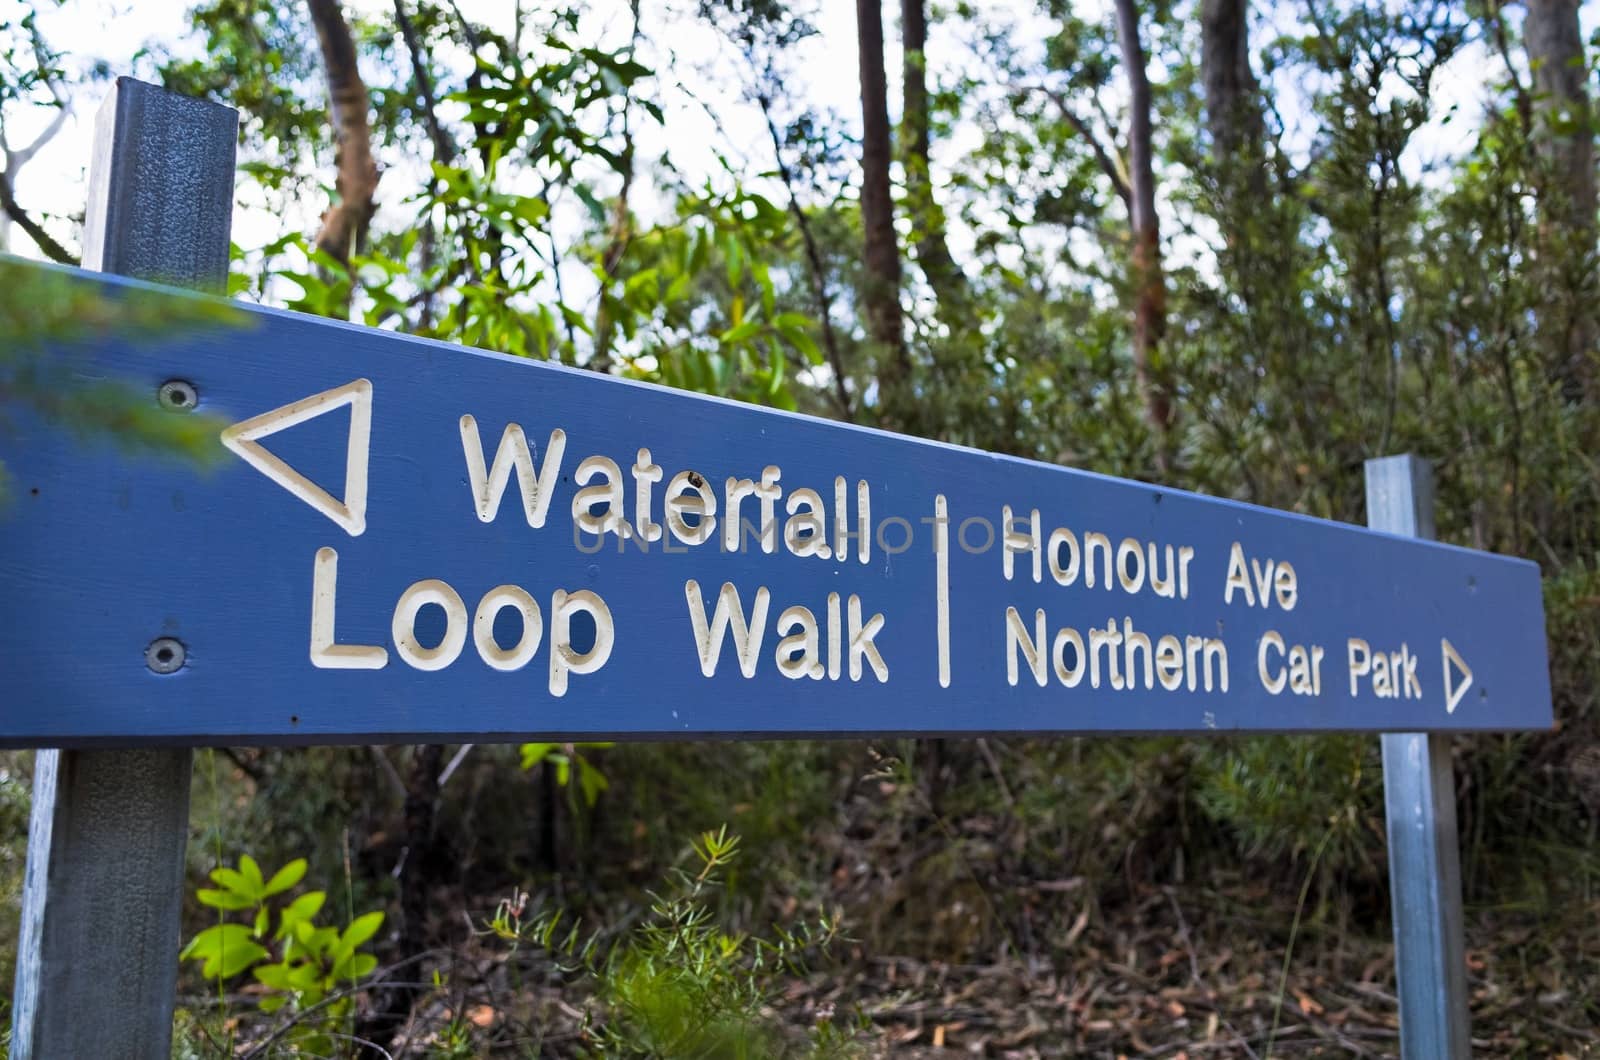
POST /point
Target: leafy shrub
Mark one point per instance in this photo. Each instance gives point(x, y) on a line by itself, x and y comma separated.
point(303, 965)
point(677, 984)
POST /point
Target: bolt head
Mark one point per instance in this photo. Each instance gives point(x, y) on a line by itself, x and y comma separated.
point(177, 395)
point(165, 655)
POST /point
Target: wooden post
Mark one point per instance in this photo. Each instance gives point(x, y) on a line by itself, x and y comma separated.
point(1420, 807)
point(97, 962)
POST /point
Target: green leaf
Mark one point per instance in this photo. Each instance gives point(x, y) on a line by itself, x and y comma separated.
point(591, 781)
point(285, 878)
point(274, 975)
point(307, 935)
point(301, 910)
point(677, 289)
point(596, 211)
point(222, 899)
point(305, 977)
point(805, 344)
point(361, 929)
point(575, 319)
point(697, 257)
point(534, 753)
point(224, 950)
point(741, 332)
point(252, 873)
point(234, 881)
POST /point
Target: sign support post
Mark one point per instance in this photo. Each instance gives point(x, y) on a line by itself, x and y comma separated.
point(1420, 807)
point(105, 874)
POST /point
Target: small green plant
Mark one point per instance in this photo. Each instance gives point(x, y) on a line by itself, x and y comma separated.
point(277, 940)
point(677, 984)
point(564, 756)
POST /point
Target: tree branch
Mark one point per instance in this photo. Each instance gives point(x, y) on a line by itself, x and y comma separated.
point(45, 241)
point(444, 149)
point(819, 279)
point(1102, 156)
point(12, 161)
point(344, 226)
point(1519, 91)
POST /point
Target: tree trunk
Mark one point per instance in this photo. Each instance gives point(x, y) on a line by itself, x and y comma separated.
point(1149, 285)
point(949, 283)
point(425, 863)
point(344, 226)
point(1233, 116)
point(880, 293)
point(1564, 132)
point(605, 326)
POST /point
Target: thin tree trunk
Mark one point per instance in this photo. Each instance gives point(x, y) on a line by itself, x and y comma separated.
point(949, 283)
point(444, 151)
point(880, 294)
point(344, 226)
point(933, 254)
point(1149, 285)
point(424, 864)
point(1233, 114)
point(1564, 131)
point(605, 326)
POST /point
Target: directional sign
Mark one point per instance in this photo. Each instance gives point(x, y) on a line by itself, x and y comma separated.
point(408, 539)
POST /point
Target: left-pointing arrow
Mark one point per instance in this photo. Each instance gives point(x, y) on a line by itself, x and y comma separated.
point(350, 513)
point(1463, 673)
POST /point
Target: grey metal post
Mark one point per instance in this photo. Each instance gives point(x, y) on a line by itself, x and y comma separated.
point(1420, 805)
point(97, 962)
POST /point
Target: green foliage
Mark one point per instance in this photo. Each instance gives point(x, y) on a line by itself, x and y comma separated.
point(15, 805)
point(1287, 796)
point(677, 984)
point(43, 311)
point(1339, 289)
point(563, 756)
point(304, 966)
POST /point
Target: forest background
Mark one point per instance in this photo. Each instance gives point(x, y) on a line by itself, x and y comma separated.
point(1237, 249)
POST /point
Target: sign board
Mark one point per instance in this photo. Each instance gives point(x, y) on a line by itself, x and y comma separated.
point(412, 540)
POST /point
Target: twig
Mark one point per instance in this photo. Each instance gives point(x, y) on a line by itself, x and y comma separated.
point(369, 1043)
point(450, 769)
point(1294, 929)
point(994, 767)
point(372, 983)
point(1102, 155)
point(819, 279)
point(44, 240)
point(395, 780)
point(249, 769)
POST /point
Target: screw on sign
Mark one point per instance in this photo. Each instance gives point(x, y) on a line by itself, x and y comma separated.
point(178, 395)
point(165, 655)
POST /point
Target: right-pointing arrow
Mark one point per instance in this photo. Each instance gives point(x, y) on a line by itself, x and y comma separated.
point(1452, 691)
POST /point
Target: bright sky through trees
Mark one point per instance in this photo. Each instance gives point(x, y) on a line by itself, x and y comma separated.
point(121, 37)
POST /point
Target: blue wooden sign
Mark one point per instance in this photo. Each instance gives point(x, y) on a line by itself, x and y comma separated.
point(412, 540)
